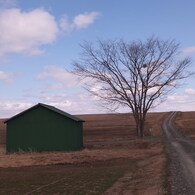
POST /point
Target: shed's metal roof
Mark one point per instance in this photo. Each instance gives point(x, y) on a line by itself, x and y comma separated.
point(50, 108)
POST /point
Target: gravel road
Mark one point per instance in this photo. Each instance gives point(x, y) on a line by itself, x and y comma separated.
point(182, 154)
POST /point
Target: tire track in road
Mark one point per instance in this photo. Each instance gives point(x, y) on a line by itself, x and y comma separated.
point(182, 154)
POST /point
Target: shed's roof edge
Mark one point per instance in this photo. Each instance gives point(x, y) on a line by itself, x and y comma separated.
point(61, 112)
point(54, 109)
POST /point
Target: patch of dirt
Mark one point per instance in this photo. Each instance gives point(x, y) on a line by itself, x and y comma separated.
point(120, 185)
point(149, 175)
point(146, 178)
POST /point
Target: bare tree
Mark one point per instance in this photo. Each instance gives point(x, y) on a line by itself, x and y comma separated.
point(138, 75)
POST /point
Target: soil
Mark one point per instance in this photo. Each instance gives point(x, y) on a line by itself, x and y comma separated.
point(146, 180)
point(81, 178)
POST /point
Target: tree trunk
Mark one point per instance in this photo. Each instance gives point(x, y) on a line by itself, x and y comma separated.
point(140, 130)
point(139, 127)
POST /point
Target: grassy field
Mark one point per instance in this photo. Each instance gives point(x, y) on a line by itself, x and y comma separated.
point(134, 167)
point(185, 121)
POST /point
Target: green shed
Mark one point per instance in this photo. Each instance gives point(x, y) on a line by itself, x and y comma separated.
point(44, 128)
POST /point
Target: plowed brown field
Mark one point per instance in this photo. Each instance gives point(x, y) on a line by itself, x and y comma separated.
point(2, 132)
point(185, 121)
point(105, 127)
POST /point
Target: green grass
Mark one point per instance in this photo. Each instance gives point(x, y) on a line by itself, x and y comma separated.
point(93, 178)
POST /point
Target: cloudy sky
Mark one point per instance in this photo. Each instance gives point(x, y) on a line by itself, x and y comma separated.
point(39, 39)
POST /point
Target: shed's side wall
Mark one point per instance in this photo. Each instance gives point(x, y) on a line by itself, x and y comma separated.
point(40, 129)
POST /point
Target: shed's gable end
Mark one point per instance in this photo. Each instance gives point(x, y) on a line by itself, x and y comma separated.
point(52, 108)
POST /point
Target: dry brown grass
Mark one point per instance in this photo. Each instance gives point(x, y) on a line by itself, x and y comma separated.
point(136, 149)
point(185, 121)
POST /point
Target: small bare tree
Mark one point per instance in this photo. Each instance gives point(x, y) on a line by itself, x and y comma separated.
point(138, 75)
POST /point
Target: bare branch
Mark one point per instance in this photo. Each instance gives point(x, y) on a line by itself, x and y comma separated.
point(135, 74)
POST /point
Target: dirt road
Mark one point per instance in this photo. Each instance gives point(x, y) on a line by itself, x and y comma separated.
point(182, 154)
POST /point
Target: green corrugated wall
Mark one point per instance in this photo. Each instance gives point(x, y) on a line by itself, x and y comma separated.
point(41, 129)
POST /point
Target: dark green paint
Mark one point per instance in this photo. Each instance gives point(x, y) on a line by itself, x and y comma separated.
point(42, 129)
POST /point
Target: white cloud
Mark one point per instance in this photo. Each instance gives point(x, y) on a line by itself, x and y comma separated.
point(55, 98)
point(96, 88)
point(83, 20)
point(64, 24)
point(189, 50)
point(190, 91)
point(10, 108)
point(24, 32)
point(153, 90)
point(178, 97)
point(183, 101)
point(56, 86)
point(176, 106)
point(80, 21)
point(77, 103)
point(65, 105)
point(7, 76)
point(60, 74)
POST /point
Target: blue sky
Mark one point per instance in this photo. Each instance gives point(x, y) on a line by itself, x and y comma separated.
point(39, 39)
